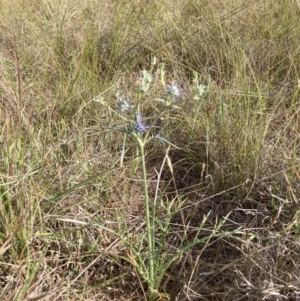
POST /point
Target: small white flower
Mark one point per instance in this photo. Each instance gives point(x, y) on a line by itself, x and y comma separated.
point(167, 102)
point(144, 82)
point(173, 90)
point(124, 106)
point(199, 90)
point(98, 98)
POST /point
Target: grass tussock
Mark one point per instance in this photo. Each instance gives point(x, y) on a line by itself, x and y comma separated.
point(72, 200)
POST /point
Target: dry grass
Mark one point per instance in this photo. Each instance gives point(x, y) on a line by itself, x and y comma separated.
point(239, 147)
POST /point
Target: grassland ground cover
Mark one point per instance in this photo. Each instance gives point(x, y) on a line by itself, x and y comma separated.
point(222, 169)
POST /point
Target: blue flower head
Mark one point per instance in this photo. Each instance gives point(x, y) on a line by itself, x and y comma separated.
point(139, 126)
point(124, 106)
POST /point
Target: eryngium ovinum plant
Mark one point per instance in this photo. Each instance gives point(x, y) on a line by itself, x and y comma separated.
point(150, 256)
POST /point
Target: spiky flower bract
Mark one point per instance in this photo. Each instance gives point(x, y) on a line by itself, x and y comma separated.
point(139, 126)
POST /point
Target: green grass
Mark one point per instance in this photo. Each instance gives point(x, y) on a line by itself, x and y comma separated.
point(72, 209)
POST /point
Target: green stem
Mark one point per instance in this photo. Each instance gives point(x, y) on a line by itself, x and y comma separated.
point(149, 220)
point(123, 150)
